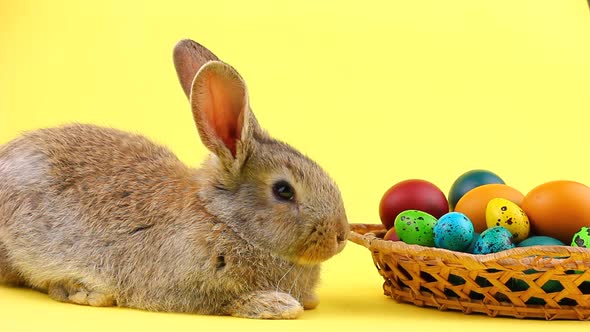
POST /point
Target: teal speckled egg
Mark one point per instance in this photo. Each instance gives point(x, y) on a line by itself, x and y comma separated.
point(415, 227)
point(582, 238)
point(476, 237)
point(492, 240)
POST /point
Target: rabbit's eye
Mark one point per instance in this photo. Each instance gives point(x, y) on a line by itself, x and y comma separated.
point(283, 190)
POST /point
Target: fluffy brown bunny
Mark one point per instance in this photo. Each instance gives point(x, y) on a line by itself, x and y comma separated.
point(101, 217)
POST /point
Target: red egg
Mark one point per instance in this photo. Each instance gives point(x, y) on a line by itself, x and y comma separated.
point(412, 195)
point(391, 235)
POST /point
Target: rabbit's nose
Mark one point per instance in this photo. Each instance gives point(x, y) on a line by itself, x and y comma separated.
point(341, 237)
point(343, 230)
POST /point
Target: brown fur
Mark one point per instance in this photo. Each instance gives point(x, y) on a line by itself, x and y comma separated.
point(101, 217)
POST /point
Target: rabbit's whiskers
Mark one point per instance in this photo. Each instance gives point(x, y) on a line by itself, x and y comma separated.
point(301, 268)
point(283, 277)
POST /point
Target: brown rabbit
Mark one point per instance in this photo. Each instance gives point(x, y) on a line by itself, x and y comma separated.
point(101, 217)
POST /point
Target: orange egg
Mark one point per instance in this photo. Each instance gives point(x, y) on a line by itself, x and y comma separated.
point(558, 209)
point(474, 203)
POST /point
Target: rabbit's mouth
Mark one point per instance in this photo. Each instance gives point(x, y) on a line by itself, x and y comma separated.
point(322, 245)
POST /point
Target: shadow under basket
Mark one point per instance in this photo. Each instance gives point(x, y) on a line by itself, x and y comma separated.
point(547, 282)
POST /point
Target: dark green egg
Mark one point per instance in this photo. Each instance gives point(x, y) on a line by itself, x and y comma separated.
point(468, 181)
point(540, 241)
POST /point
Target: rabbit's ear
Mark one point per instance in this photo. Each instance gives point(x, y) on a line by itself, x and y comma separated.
point(189, 56)
point(219, 101)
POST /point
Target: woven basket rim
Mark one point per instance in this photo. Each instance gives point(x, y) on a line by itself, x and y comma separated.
point(365, 235)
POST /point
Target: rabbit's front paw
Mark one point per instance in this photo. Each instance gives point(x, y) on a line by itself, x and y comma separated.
point(267, 305)
point(73, 292)
point(310, 301)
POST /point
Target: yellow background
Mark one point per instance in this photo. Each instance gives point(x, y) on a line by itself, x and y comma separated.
point(375, 91)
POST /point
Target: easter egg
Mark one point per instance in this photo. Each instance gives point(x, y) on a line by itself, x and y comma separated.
point(412, 195)
point(502, 212)
point(453, 231)
point(476, 237)
point(474, 203)
point(415, 227)
point(558, 209)
point(582, 238)
point(391, 235)
point(468, 181)
point(492, 240)
point(540, 241)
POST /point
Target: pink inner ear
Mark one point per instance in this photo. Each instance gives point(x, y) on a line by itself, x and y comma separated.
point(224, 109)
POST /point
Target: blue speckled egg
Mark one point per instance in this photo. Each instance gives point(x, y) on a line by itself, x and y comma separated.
point(453, 231)
point(492, 240)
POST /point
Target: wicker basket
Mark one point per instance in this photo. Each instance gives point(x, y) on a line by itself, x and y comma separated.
point(550, 282)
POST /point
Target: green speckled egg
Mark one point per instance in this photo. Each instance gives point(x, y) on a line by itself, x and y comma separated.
point(415, 227)
point(492, 240)
point(582, 238)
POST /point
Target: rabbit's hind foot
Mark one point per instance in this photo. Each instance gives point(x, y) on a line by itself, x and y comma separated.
point(8, 275)
point(73, 292)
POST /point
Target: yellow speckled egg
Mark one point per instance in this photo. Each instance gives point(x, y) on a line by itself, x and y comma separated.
point(502, 212)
